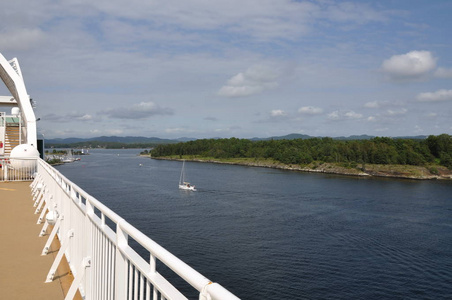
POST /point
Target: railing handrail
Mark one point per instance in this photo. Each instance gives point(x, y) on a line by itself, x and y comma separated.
point(17, 168)
point(61, 195)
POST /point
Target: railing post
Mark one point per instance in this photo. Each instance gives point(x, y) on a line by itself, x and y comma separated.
point(121, 263)
point(87, 243)
point(52, 235)
point(86, 262)
point(56, 262)
point(5, 170)
point(47, 206)
point(41, 202)
point(38, 193)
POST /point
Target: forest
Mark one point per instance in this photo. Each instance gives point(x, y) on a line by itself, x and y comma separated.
point(434, 150)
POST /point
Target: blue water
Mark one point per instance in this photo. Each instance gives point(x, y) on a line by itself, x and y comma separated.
point(273, 234)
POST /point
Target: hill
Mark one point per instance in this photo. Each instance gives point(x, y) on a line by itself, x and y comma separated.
point(116, 139)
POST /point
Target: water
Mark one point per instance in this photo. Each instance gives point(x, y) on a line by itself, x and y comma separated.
point(273, 234)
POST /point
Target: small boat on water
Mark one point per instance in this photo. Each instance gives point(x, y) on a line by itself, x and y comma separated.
point(68, 158)
point(184, 185)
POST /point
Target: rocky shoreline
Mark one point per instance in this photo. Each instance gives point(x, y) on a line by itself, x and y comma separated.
point(388, 171)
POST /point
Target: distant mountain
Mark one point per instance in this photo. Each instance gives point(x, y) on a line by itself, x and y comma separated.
point(156, 140)
point(114, 139)
point(65, 141)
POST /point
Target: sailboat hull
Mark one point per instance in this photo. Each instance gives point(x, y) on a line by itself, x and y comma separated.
point(187, 188)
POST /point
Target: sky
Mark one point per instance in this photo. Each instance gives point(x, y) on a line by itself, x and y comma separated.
point(233, 68)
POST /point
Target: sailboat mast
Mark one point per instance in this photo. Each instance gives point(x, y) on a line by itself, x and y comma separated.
point(181, 180)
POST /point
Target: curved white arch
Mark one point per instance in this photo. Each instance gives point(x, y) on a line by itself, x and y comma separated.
point(11, 76)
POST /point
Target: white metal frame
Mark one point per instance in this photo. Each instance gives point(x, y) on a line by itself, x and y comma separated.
point(101, 259)
point(11, 76)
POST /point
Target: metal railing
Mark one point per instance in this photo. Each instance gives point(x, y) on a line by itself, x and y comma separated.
point(2, 133)
point(97, 245)
point(17, 169)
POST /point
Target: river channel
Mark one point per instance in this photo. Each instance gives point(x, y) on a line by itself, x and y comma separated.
point(275, 234)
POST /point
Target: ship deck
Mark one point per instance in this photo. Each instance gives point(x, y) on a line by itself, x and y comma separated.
point(23, 270)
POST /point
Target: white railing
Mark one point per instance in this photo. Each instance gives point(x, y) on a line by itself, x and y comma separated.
point(2, 133)
point(97, 245)
point(17, 169)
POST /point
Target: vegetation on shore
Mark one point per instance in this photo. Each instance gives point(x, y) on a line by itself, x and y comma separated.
point(380, 156)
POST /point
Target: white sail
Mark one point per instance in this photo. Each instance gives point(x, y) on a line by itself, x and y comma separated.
point(184, 185)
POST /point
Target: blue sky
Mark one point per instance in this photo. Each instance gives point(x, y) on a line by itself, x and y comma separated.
point(236, 68)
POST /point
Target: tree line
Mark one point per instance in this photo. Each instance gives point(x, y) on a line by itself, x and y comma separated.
point(378, 150)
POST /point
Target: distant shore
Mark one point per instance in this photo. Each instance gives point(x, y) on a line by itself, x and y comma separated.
point(360, 170)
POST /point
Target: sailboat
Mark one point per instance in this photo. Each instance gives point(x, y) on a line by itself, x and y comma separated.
point(183, 185)
point(68, 158)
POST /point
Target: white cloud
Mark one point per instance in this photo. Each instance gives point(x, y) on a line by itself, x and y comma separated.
point(412, 65)
point(352, 115)
point(310, 110)
point(73, 116)
point(344, 115)
point(259, 19)
point(373, 104)
point(438, 96)
point(418, 129)
point(278, 113)
point(178, 130)
point(256, 19)
point(239, 91)
point(389, 115)
point(86, 117)
point(141, 110)
point(382, 129)
point(23, 39)
point(334, 115)
point(253, 81)
point(354, 12)
point(182, 53)
point(391, 112)
point(443, 73)
point(382, 104)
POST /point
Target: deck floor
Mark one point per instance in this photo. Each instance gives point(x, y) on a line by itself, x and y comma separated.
point(22, 268)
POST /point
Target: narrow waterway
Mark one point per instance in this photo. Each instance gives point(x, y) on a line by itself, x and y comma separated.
point(273, 234)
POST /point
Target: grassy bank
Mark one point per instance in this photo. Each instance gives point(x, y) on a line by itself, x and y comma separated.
point(350, 169)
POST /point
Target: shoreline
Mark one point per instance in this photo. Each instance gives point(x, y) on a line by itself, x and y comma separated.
point(370, 170)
